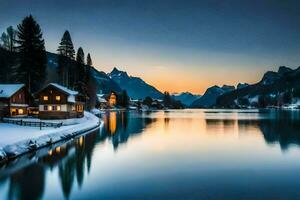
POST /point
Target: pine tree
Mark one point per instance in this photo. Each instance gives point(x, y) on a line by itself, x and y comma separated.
point(4, 41)
point(8, 39)
point(33, 58)
point(80, 81)
point(125, 99)
point(167, 99)
point(66, 53)
point(66, 47)
point(80, 56)
point(89, 60)
point(11, 33)
point(92, 88)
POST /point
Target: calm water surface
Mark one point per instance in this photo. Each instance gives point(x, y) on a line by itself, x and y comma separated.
point(185, 154)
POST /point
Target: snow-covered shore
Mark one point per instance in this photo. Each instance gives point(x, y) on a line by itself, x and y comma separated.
point(17, 140)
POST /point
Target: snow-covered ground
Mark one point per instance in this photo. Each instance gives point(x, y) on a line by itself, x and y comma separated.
point(16, 140)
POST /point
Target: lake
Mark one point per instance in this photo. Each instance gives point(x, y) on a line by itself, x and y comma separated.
point(176, 154)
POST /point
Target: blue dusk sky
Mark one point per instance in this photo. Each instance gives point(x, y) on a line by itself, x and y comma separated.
point(185, 45)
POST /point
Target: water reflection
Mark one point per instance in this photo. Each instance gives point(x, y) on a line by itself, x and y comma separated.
point(72, 159)
point(283, 128)
point(120, 126)
point(196, 141)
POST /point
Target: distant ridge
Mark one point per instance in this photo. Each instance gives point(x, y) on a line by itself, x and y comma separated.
point(271, 84)
point(186, 98)
point(210, 96)
point(135, 86)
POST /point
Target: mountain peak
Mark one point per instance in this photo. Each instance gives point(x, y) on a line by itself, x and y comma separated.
point(228, 87)
point(241, 85)
point(135, 86)
point(117, 72)
point(284, 69)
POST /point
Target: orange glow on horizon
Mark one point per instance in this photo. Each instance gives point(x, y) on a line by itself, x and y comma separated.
point(196, 81)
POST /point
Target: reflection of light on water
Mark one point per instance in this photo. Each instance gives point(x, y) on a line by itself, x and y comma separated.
point(81, 141)
point(58, 149)
point(112, 122)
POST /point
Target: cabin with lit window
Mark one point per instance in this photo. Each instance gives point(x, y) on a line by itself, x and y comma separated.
point(14, 100)
point(59, 102)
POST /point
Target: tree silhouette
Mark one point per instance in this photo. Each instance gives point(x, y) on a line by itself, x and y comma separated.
point(33, 59)
point(89, 61)
point(8, 39)
point(66, 54)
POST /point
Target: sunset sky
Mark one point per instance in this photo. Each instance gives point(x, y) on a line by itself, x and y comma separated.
point(174, 45)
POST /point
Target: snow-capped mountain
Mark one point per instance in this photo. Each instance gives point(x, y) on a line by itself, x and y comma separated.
point(186, 97)
point(210, 96)
point(273, 85)
point(135, 86)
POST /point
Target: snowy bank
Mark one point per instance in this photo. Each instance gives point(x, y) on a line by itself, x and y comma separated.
point(17, 140)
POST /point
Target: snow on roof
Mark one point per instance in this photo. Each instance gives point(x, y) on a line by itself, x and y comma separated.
point(102, 100)
point(64, 89)
point(7, 90)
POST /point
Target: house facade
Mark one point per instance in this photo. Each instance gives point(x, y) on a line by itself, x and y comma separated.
point(112, 99)
point(14, 100)
point(59, 102)
point(107, 100)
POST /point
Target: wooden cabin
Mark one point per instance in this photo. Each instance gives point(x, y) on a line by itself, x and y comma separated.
point(14, 100)
point(59, 102)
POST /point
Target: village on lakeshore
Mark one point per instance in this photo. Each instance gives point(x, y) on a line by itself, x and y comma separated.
point(47, 97)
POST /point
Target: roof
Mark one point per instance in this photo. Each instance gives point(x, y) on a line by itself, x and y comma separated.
point(102, 100)
point(7, 90)
point(64, 89)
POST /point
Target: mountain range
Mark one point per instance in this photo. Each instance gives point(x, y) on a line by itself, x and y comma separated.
point(272, 84)
point(186, 98)
point(135, 86)
point(210, 96)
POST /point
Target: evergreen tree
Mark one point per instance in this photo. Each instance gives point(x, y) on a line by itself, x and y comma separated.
point(89, 60)
point(11, 33)
point(66, 47)
point(80, 81)
point(80, 56)
point(66, 54)
point(167, 99)
point(33, 58)
point(148, 101)
point(8, 39)
point(124, 100)
point(92, 88)
point(4, 41)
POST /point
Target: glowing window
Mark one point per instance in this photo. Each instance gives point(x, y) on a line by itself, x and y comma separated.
point(49, 108)
point(20, 111)
point(58, 108)
point(13, 111)
point(57, 98)
point(79, 108)
point(45, 98)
